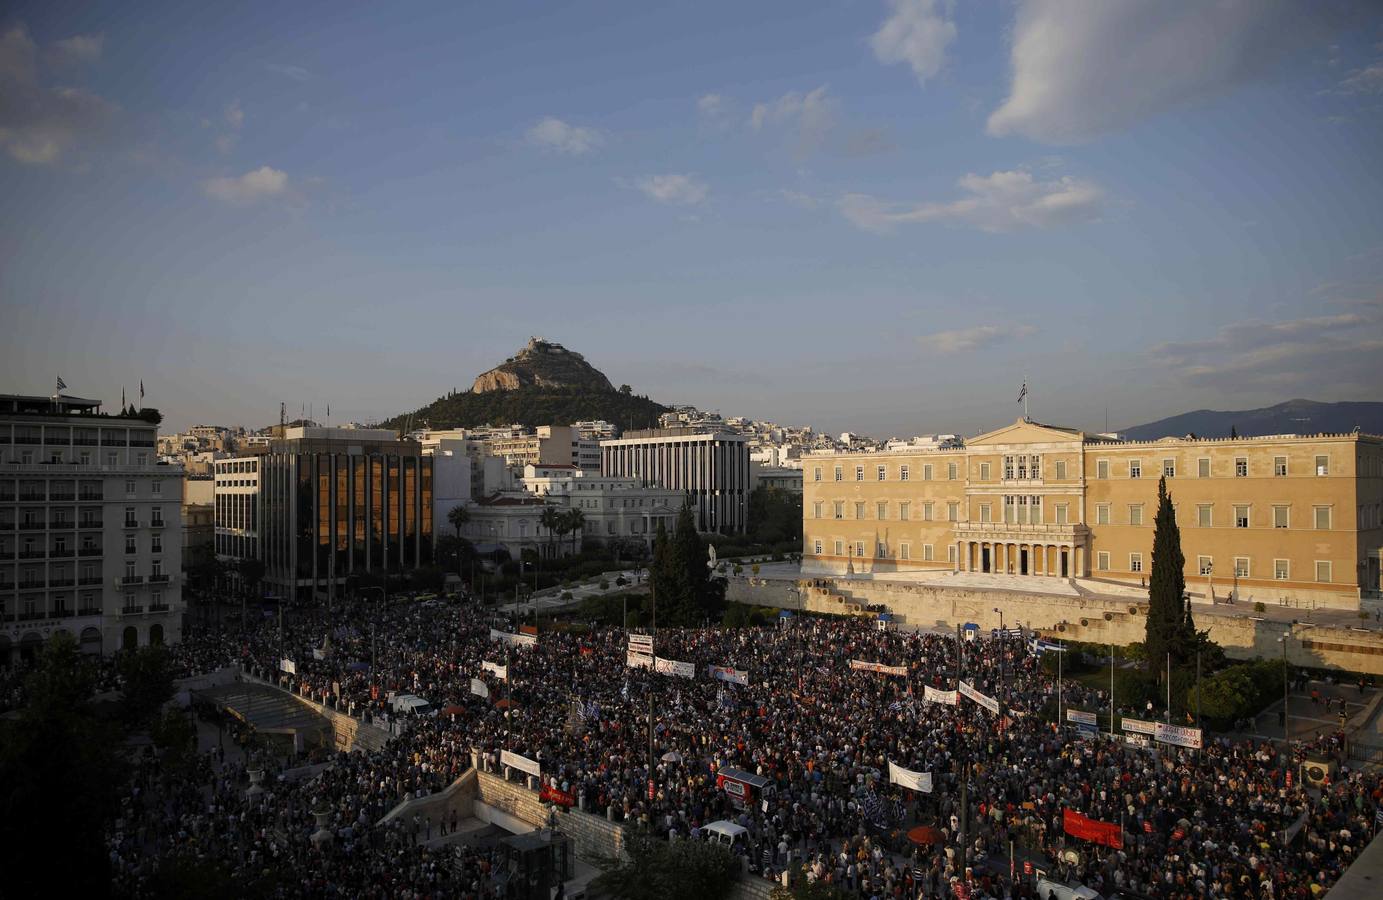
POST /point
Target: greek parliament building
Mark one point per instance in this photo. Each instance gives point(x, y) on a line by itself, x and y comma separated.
point(322, 504)
point(90, 528)
point(711, 467)
point(1287, 518)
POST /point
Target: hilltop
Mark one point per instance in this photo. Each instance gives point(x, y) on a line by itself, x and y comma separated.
point(543, 384)
point(1292, 417)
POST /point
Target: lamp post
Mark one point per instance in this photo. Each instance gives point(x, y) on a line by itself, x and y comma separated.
point(1286, 713)
point(1002, 653)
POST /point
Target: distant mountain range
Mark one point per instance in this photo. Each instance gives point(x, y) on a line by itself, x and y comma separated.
point(543, 384)
point(1292, 417)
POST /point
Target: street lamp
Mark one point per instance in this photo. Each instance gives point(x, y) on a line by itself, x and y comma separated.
point(1286, 713)
point(1002, 653)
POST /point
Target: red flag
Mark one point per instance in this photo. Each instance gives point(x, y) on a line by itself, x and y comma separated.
point(1088, 829)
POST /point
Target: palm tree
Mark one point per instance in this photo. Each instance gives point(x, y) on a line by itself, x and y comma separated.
point(458, 516)
point(575, 521)
point(551, 519)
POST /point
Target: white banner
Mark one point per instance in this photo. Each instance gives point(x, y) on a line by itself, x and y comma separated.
point(480, 688)
point(519, 640)
point(318, 653)
point(932, 695)
point(288, 666)
point(500, 672)
point(882, 669)
point(728, 673)
point(989, 703)
point(1138, 726)
point(918, 781)
point(1178, 735)
point(638, 660)
point(522, 763)
point(641, 643)
point(674, 667)
point(1083, 718)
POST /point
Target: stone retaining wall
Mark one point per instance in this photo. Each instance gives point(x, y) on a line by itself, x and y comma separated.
point(1097, 620)
point(460, 796)
point(594, 837)
point(348, 732)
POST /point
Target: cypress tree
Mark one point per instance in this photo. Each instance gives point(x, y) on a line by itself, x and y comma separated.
point(1169, 613)
point(658, 570)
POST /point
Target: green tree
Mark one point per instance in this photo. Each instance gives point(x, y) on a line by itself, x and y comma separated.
point(681, 870)
point(1169, 611)
point(551, 520)
point(774, 516)
point(146, 676)
point(574, 520)
point(458, 516)
point(61, 769)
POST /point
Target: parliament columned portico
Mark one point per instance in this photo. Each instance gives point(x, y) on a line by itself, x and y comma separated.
point(1035, 550)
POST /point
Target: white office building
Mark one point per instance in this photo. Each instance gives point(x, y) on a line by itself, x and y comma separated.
point(713, 467)
point(90, 528)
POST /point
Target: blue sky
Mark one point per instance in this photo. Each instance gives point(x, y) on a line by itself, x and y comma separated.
point(876, 216)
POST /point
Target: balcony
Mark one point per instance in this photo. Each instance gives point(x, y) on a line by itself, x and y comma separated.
point(33, 525)
point(6, 496)
point(33, 584)
point(61, 553)
point(131, 610)
point(131, 523)
point(31, 497)
point(89, 551)
point(31, 616)
point(160, 578)
point(6, 585)
point(62, 525)
point(6, 526)
point(129, 581)
point(158, 607)
point(91, 524)
point(61, 613)
point(89, 611)
point(91, 496)
point(61, 582)
point(54, 497)
point(32, 554)
point(94, 579)
point(26, 439)
point(84, 442)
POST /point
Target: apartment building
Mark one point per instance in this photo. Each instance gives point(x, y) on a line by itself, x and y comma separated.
point(1290, 518)
point(90, 528)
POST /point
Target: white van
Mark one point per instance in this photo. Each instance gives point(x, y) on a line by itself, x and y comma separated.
point(1048, 888)
point(732, 837)
point(410, 704)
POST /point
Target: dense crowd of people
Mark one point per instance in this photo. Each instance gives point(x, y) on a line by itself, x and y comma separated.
point(1233, 819)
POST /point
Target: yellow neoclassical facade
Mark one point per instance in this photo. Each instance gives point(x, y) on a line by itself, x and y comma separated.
point(1290, 519)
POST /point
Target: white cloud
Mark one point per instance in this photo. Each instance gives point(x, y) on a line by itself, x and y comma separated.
point(978, 337)
point(1085, 69)
point(1368, 80)
point(812, 114)
point(248, 188)
point(1340, 351)
point(711, 106)
point(39, 124)
point(917, 33)
point(554, 134)
point(78, 49)
point(235, 115)
point(1002, 201)
point(297, 73)
point(678, 190)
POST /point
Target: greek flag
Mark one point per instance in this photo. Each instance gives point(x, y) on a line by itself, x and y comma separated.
point(1024, 392)
point(1378, 817)
point(591, 710)
point(62, 385)
point(895, 706)
point(874, 810)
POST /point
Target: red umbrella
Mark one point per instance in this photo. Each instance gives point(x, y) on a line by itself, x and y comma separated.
point(453, 710)
point(503, 704)
point(923, 835)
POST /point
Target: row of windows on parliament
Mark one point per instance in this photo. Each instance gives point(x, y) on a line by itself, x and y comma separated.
point(1205, 565)
point(1025, 509)
point(1029, 468)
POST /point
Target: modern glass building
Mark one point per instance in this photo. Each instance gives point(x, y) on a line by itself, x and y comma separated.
point(330, 503)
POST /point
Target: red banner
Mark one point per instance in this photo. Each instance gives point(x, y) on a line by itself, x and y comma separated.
point(550, 794)
point(528, 629)
point(1088, 829)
